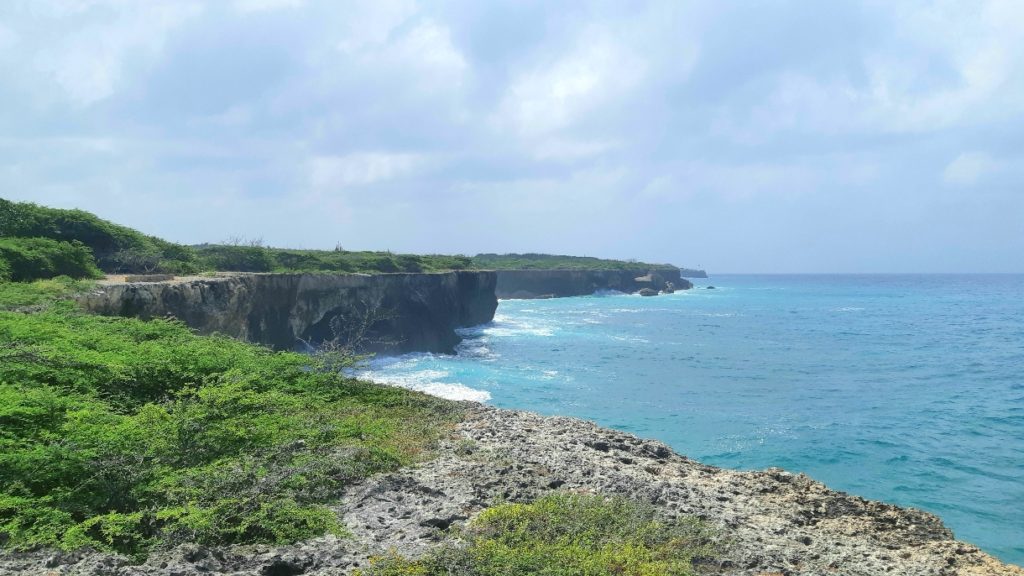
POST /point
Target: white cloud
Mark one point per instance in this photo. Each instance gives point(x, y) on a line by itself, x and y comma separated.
point(337, 172)
point(369, 25)
point(266, 5)
point(86, 49)
point(568, 149)
point(969, 168)
point(556, 93)
point(898, 86)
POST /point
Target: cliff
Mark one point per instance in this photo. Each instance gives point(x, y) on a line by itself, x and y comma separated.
point(414, 312)
point(774, 522)
point(518, 284)
point(692, 273)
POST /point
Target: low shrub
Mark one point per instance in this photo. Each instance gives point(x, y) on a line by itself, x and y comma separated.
point(565, 535)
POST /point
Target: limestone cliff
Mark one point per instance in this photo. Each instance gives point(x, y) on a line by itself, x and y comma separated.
point(421, 311)
point(558, 283)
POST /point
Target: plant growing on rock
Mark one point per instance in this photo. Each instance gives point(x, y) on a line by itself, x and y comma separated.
point(565, 534)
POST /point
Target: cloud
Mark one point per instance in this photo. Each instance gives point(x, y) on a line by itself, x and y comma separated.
point(558, 91)
point(266, 5)
point(361, 169)
point(86, 50)
point(969, 168)
point(665, 130)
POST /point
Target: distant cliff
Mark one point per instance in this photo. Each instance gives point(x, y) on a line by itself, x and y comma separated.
point(692, 273)
point(557, 283)
point(417, 312)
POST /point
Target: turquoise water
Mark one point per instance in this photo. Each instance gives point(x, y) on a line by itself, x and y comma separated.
point(908, 389)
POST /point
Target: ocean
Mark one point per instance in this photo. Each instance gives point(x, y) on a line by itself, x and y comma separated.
point(902, 388)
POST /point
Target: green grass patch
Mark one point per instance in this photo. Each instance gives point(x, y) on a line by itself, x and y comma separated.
point(565, 535)
point(23, 295)
point(125, 435)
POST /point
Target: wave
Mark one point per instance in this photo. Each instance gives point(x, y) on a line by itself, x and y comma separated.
point(428, 382)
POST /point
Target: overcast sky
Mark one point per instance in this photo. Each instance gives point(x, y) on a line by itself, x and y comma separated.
point(739, 136)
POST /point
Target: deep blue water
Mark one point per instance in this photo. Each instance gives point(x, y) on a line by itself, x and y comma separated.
point(903, 388)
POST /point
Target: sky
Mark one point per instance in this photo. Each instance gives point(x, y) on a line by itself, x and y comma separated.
point(754, 136)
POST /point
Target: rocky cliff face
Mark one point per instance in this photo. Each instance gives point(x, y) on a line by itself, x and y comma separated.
point(557, 283)
point(415, 312)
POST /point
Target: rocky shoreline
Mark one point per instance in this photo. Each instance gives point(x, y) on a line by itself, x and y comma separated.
point(774, 522)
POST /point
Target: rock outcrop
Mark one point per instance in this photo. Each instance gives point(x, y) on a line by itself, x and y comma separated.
point(772, 522)
point(413, 312)
point(519, 284)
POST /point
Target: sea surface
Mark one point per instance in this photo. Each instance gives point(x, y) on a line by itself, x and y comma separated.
point(902, 388)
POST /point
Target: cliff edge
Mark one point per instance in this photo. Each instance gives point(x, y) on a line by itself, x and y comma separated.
point(408, 311)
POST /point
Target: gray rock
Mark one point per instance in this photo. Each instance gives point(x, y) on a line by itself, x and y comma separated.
point(420, 312)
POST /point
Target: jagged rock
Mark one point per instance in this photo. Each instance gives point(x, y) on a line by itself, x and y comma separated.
point(669, 288)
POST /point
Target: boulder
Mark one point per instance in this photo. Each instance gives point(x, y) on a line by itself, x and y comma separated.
point(648, 292)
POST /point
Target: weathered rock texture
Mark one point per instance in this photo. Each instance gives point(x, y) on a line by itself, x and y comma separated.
point(773, 522)
point(557, 283)
point(283, 310)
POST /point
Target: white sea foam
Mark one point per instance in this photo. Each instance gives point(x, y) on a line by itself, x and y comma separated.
point(428, 382)
point(506, 326)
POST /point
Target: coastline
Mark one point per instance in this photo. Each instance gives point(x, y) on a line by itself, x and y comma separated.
point(776, 522)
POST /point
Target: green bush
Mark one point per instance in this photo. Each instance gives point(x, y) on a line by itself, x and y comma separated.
point(123, 435)
point(237, 258)
point(116, 248)
point(37, 258)
point(565, 535)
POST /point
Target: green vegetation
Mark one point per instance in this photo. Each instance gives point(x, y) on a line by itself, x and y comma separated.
point(119, 249)
point(125, 435)
point(116, 248)
point(554, 262)
point(31, 258)
point(565, 535)
point(255, 258)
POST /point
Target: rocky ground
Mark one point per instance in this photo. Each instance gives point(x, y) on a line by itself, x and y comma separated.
point(775, 522)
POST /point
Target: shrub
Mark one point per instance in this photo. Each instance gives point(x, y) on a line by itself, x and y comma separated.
point(565, 535)
point(123, 435)
point(36, 258)
point(237, 258)
point(116, 248)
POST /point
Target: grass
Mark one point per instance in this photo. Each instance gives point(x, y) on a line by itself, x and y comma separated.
point(123, 435)
point(565, 534)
